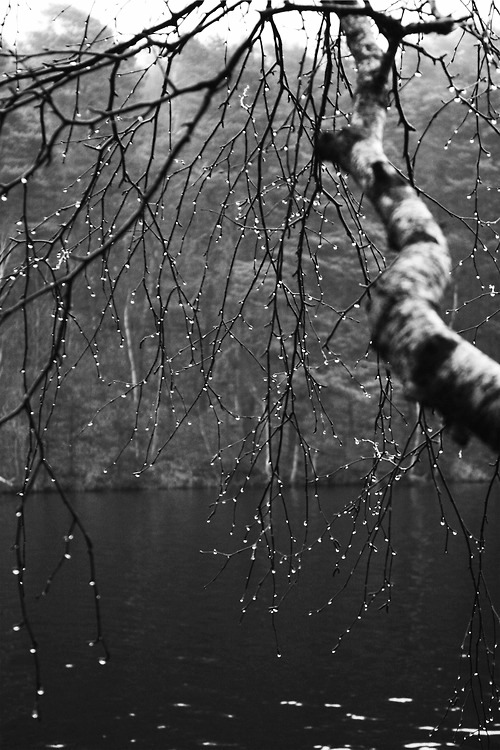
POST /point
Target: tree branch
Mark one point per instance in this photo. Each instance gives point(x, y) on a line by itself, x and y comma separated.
point(438, 368)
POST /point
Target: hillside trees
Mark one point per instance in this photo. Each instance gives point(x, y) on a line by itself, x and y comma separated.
point(188, 285)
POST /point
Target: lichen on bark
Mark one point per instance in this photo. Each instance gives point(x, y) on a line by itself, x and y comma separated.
point(438, 368)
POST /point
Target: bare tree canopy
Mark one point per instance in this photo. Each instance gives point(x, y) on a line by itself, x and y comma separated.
point(214, 163)
point(252, 244)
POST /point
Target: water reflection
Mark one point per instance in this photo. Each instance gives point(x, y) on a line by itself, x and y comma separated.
point(184, 674)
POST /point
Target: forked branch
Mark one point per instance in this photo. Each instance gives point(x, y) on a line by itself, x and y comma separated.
point(438, 368)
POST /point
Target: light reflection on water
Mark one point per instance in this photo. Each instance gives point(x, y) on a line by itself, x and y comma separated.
point(185, 674)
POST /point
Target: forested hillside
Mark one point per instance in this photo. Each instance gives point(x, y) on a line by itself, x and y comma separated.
point(222, 332)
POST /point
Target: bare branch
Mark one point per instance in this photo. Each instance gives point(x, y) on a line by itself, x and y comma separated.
point(439, 369)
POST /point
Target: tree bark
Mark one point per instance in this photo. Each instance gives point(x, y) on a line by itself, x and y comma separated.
point(438, 368)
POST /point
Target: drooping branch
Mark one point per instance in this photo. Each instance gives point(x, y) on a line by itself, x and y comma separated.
point(438, 368)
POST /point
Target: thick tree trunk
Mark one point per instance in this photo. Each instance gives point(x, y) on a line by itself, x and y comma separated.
point(438, 368)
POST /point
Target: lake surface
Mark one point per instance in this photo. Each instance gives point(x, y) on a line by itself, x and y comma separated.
point(185, 673)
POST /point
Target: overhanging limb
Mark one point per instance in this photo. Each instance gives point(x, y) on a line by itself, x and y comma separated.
point(438, 368)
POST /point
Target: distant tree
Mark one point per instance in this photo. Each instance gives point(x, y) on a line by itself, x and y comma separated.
point(191, 293)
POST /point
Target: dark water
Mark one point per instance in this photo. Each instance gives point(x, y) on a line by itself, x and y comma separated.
point(185, 674)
